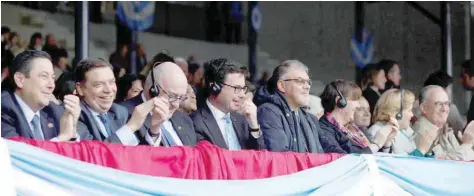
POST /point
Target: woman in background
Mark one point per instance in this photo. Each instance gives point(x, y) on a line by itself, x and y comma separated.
point(129, 86)
point(376, 84)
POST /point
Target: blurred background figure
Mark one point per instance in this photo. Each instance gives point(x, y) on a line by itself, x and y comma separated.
point(315, 106)
point(392, 73)
point(189, 105)
point(375, 84)
point(36, 42)
point(250, 91)
point(183, 64)
point(129, 86)
point(50, 46)
point(141, 58)
point(119, 61)
point(362, 115)
point(65, 85)
point(60, 62)
point(16, 44)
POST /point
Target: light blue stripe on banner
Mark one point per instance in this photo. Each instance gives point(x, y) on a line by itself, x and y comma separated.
point(427, 176)
point(84, 178)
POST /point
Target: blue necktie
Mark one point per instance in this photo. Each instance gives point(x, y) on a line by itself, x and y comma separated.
point(105, 121)
point(167, 138)
point(37, 134)
point(231, 137)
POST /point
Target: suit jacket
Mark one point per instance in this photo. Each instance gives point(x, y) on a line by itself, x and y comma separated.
point(207, 129)
point(117, 116)
point(182, 124)
point(14, 122)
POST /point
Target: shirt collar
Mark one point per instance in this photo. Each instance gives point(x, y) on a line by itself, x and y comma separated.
point(215, 112)
point(27, 111)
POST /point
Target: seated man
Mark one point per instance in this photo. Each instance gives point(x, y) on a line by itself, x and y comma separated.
point(105, 120)
point(226, 120)
point(27, 110)
point(434, 106)
point(189, 105)
point(286, 126)
point(167, 82)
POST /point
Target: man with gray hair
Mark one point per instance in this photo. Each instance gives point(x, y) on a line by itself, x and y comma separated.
point(432, 126)
point(286, 126)
point(182, 63)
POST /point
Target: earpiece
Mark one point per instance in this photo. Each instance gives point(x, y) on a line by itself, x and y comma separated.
point(341, 103)
point(399, 115)
point(154, 90)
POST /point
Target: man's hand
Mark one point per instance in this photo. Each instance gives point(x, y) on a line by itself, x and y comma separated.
point(426, 137)
point(139, 115)
point(160, 114)
point(72, 105)
point(249, 110)
point(67, 127)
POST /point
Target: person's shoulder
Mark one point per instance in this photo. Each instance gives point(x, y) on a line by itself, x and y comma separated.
point(196, 114)
point(119, 110)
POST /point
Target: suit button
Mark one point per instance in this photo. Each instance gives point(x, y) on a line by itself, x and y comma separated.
point(287, 114)
point(294, 139)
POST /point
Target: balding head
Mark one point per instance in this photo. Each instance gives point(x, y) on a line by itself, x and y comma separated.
point(434, 104)
point(170, 80)
point(182, 63)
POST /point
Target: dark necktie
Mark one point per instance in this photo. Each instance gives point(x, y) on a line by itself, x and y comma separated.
point(105, 121)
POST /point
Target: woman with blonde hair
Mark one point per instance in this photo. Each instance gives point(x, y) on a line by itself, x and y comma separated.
point(391, 117)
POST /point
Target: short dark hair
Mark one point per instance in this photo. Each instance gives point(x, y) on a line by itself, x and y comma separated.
point(370, 71)
point(251, 88)
point(125, 83)
point(281, 70)
point(193, 67)
point(88, 64)
point(5, 29)
point(162, 57)
point(65, 85)
point(60, 52)
point(22, 63)
point(33, 38)
point(348, 89)
point(387, 65)
point(439, 78)
point(12, 35)
point(216, 70)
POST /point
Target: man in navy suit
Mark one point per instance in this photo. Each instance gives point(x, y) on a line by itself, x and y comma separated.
point(165, 126)
point(27, 110)
point(226, 120)
point(105, 120)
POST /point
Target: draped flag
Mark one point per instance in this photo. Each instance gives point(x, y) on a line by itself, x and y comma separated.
point(94, 168)
point(138, 15)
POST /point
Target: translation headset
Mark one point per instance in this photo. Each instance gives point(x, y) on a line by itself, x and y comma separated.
point(154, 90)
point(399, 115)
point(215, 87)
point(341, 102)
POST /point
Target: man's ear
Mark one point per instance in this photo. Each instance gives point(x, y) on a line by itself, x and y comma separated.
point(423, 108)
point(79, 89)
point(19, 79)
point(281, 86)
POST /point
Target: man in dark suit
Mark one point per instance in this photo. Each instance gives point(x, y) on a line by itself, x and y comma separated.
point(226, 120)
point(27, 110)
point(105, 120)
point(165, 126)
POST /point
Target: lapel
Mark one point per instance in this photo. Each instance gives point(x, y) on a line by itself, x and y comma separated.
point(21, 118)
point(90, 120)
point(179, 129)
point(213, 128)
point(113, 121)
point(238, 131)
point(47, 126)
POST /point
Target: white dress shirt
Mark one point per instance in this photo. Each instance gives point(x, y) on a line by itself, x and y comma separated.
point(219, 116)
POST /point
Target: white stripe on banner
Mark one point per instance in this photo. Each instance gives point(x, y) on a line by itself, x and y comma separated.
point(379, 174)
point(129, 10)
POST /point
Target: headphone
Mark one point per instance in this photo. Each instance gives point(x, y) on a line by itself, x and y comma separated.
point(216, 87)
point(154, 90)
point(399, 115)
point(341, 102)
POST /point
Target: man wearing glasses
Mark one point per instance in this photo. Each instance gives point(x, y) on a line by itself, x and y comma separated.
point(226, 120)
point(286, 126)
point(164, 126)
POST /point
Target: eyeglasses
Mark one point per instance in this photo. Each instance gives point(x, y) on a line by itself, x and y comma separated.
point(173, 97)
point(439, 104)
point(300, 81)
point(238, 89)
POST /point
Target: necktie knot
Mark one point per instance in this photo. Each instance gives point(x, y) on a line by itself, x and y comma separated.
point(35, 120)
point(105, 121)
point(103, 118)
point(227, 118)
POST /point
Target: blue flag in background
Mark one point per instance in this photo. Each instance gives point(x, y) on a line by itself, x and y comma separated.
point(138, 15)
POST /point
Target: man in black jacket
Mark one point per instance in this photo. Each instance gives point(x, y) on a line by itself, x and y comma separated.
point(285, 125)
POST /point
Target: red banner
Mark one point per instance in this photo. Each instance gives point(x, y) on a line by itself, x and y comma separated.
point(205, 161)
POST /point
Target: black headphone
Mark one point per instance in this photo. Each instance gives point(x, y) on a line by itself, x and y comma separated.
point(154, 90)
point(216, 87)
point(399, 115)
point(341, 103)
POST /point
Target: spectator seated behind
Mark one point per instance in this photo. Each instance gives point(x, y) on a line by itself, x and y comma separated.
point(441, 78)
point(361, 116)
point(432, 126)
point(376, 83)
point(129, 86)
point(189, 105)
point(35, 42)
point(165, 86)
point(225, 119)
point(315, 106)
point(340, 100)
point(286, 126)
point(26, 108)
point(65, 85)
point(392, 115)
point(392, 73)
